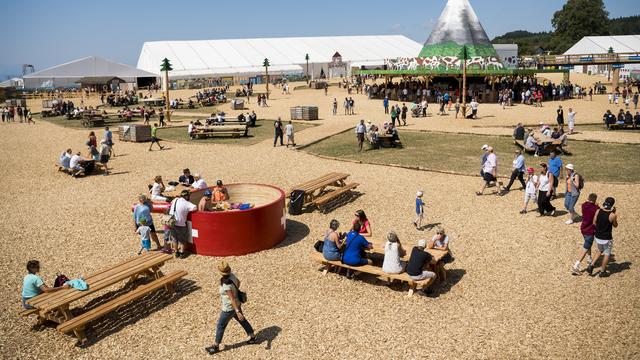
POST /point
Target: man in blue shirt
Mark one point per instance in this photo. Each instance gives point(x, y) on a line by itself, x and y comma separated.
point(356, 245)
point(518, 171)
point(385, 103)
point(555, 167)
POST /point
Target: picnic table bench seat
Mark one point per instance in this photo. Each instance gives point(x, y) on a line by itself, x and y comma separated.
point(78, 323)
point(221, 130)
point(330, 198)
point(521, 144)
point(375, 271)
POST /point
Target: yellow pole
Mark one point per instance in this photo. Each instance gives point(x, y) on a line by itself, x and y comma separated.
point(266, 71)
point(166, 95)
point(464, 87)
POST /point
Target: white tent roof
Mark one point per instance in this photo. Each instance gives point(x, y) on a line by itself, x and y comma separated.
point(91, 67)
point(245, 56)
point(601, 45)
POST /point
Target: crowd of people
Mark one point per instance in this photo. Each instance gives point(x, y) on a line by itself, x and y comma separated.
point(16, 113)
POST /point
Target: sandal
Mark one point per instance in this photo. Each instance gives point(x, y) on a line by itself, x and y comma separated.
point(252, 341)
point(478, 193)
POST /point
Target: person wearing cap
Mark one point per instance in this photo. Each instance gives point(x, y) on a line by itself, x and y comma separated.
point(142, 211)
point(199, 183)
point(485, 153)
point(418, 259)
point(392, 252)
point(231, 307)
point(530, 189)
point(180, 209)
point(220, 192)
point(518, 171)
point(604, 220)
point(419, 210)
point(490, 169)
point(588, 229)
point(205, 203)
point(572, 193)
point(186, 178)
point(545, 189)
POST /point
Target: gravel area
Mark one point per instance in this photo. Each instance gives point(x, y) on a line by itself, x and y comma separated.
point(510, 293)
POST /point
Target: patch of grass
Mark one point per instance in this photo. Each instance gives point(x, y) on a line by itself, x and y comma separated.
point(262, 131)
point(77, 123)
point(461, 153)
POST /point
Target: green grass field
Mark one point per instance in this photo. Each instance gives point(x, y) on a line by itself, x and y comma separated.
point(262, 131)
point(461, 153)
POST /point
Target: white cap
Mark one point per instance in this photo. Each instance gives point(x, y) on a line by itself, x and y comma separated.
point(485, 147)
point(419, 193)
point(422, 243)
point(569, 166)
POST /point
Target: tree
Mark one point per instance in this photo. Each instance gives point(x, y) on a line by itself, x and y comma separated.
point(577, 19)
point(266, 65)
point(166, 67)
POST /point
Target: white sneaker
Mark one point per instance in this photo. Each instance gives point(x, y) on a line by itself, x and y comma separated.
point(575, 270)
point(569, 222)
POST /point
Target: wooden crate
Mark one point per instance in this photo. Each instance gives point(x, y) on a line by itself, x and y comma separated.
point(304, 113)
point(134, 132)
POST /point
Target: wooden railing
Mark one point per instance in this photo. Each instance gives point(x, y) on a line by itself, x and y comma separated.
point(588, 59)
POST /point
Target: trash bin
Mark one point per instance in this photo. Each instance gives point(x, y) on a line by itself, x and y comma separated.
point(296, 200)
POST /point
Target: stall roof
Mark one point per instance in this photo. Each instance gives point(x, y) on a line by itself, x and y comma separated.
point(91, 67)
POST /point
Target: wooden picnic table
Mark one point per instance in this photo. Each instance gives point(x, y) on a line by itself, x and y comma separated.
point(176, 191)
point(325, 189)
point(54, 306)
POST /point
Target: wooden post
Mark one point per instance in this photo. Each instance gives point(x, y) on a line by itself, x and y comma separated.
point(615, 81)
point(464, 82)
point(167, 104)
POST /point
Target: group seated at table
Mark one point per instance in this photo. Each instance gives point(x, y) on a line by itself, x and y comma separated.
point(129, 98)
point(374, 136)
point(351, 249)
point(624, 120)
point(419, 109)
point(74, 164)
point(209, 97)
point(538, 144)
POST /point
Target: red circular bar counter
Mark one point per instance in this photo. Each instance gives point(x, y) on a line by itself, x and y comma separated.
point(238, 232)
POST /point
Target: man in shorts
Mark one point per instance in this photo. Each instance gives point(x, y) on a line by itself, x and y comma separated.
point(180, 209)
point(604, 220)
point(588, 229)
point(490, 172)
point(154, 137)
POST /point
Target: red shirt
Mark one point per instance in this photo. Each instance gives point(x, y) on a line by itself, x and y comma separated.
point(588, 212)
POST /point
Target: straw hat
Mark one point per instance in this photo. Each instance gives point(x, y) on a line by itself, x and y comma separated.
point(224, 268)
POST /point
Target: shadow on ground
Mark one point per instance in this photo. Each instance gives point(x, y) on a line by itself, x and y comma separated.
point(132, 312)
point(296, 231)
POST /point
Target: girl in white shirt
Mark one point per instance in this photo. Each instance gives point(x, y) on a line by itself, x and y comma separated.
point(157, 189)
point(530, 190)
point(544, 191)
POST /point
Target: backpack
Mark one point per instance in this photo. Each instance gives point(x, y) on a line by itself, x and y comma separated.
point(60, 280)
point(580, 182)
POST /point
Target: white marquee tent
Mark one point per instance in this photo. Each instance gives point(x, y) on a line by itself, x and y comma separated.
point(589, 45)
point(91, 70)
point(244, 57)
point(601, 45)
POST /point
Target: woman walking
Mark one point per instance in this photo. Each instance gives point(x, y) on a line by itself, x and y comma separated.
point(544, 191)
point(231, 307)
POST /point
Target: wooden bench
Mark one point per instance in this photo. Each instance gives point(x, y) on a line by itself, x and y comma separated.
point(221, 130)
point(332, 198)
point(521, 144)
point(375, 271)
point(78, 323)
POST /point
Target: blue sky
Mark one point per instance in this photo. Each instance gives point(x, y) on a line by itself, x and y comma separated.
point(46, 33)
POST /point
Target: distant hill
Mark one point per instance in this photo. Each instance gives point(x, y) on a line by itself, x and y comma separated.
point(629, 25)
point(529, 43)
